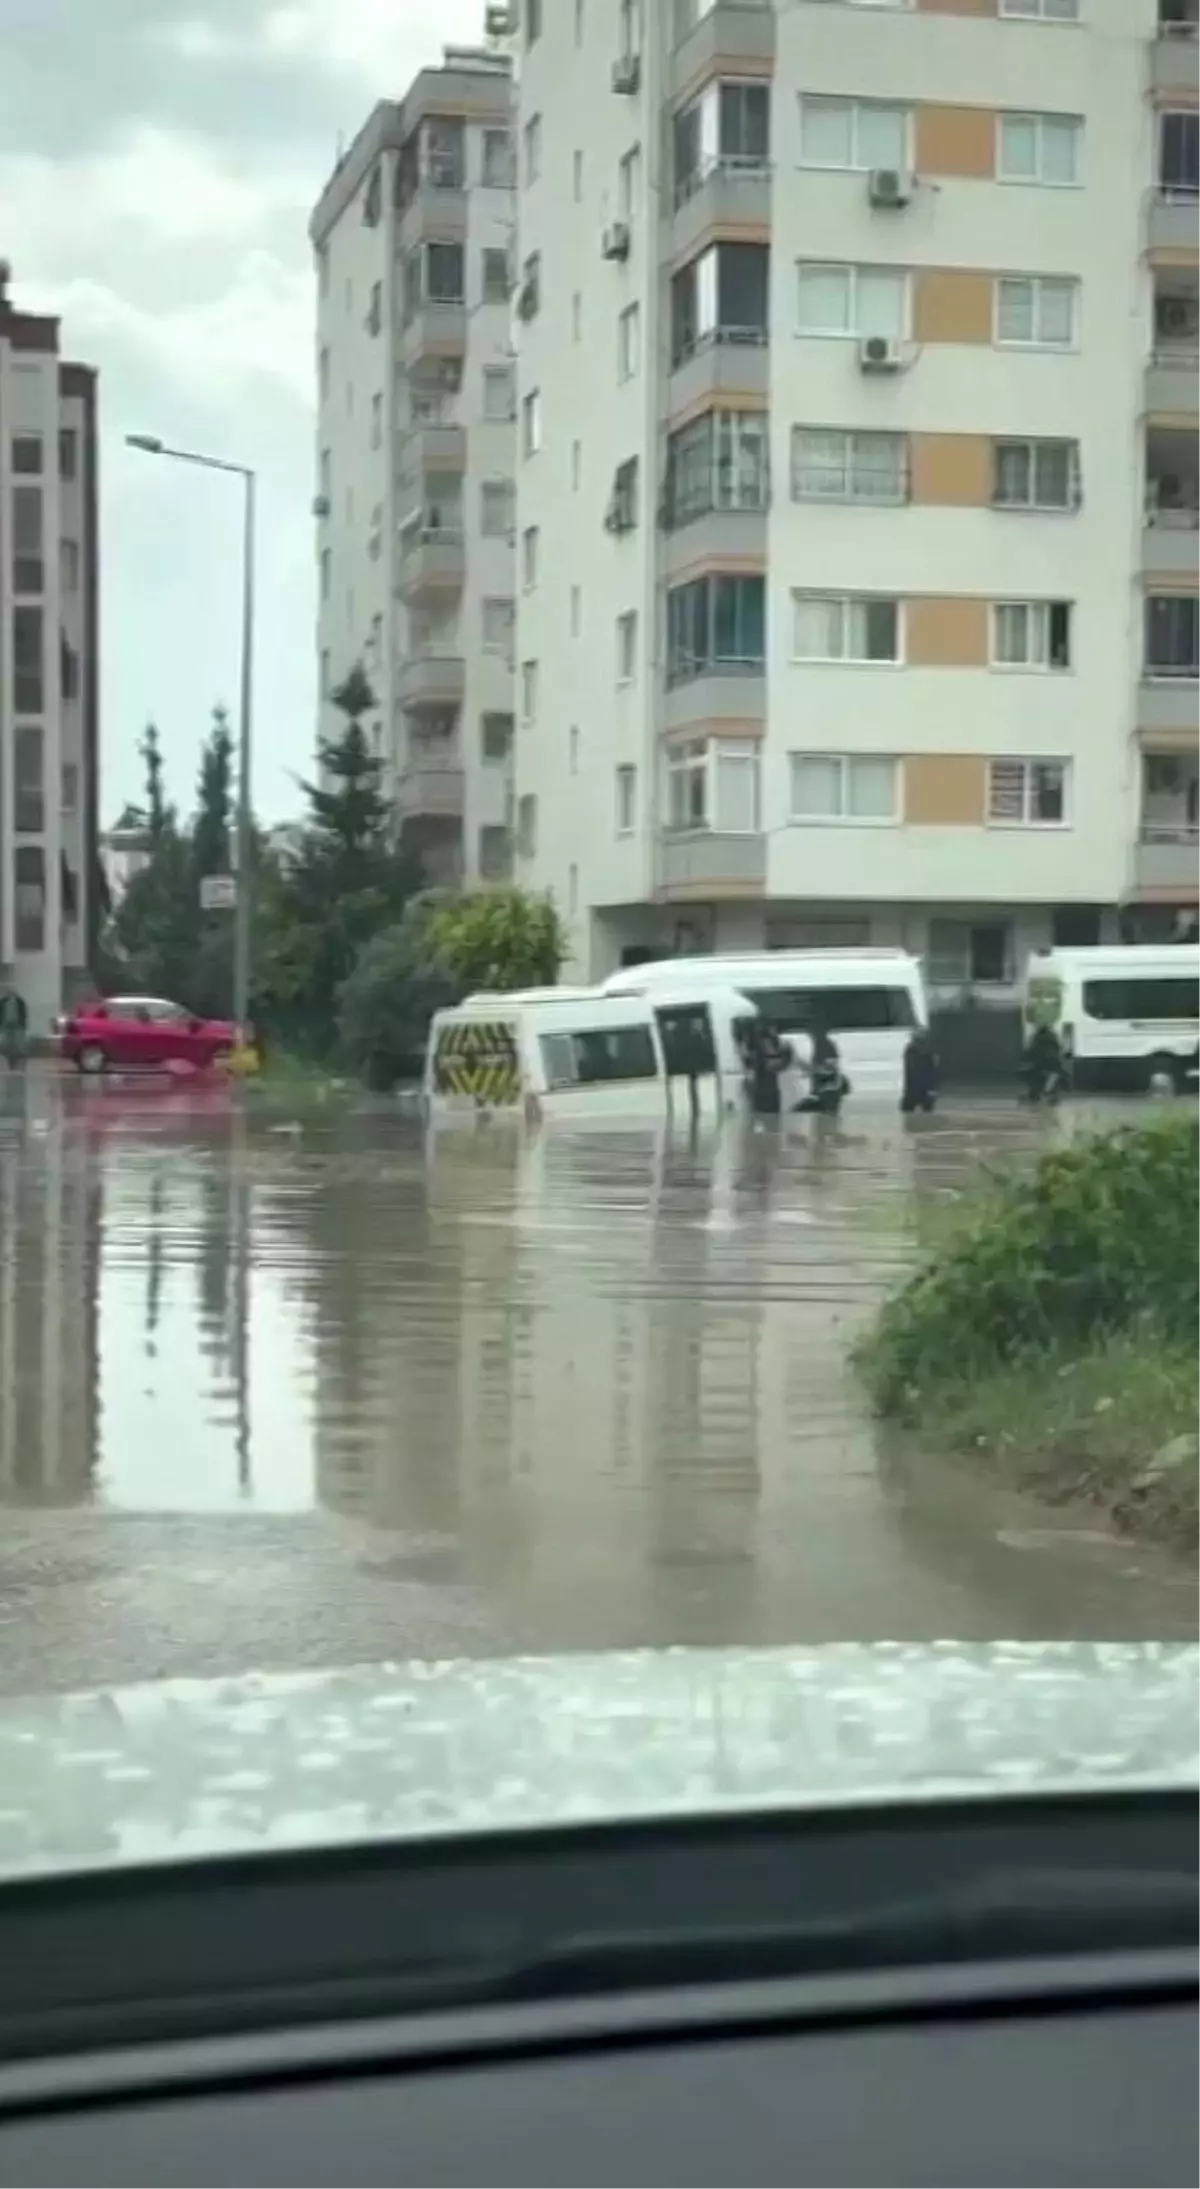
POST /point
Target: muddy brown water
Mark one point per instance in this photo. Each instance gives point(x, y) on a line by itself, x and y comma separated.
point(319, 1393)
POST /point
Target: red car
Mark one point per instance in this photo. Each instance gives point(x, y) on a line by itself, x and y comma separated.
point(132, 1032)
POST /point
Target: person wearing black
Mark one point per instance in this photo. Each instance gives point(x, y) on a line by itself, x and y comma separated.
point(920, 1074)
point(828, 1086)
point(766, 1061)
point(1042, 1066)
point(14, 1026)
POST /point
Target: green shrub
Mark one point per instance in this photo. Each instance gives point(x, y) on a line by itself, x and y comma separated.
point(1101, 1240)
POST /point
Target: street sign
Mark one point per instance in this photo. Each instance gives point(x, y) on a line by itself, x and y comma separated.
point(218, 892)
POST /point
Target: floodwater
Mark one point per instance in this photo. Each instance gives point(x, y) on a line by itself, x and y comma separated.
point(321, 1393)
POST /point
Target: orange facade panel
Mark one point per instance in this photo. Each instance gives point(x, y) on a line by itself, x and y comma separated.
point(945, 790)
point(952, 304)
point(946, 632)
point(955, 140)
point(950, 470)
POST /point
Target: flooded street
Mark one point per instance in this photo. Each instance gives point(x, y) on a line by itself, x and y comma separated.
point(284, 1397)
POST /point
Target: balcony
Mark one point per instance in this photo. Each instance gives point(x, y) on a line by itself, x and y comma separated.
point(716, 691)
point(731, 361)
point(714, 535)
point(735, 189)
point(432, 444)
point(431, 559)
point(731, 32)
point(430, 787)
point(1172, 385)
point(1167, 856)
point(1168, 700)
point(1175, 54)
point(432, 680)
point(435, 210)
point(691, 861)
point(1172, 212)
point(436, 328)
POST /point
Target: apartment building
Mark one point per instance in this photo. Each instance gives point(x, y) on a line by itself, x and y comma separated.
point(415, 517)
point(857, 474)
point(49, 652)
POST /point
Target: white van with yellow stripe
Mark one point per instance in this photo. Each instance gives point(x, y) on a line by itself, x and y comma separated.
point(573, 1053)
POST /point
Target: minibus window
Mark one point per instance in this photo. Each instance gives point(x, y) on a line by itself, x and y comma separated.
point(1131, 998)
point(591, 1057)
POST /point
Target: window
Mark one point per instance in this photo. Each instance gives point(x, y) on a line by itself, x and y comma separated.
point(323, 672)
point(1179, 154)
point(1042, 11)
point(530, 543)
point(527, 825)
point(498, 617)
point(836, 627)
point(1036, 311)
point(27, 455)
point(496, 737)
point(1137, 999)
point(377, 421)
point(628, 341)
point(533, 148)
point(28, 689)
point(970, 953)
point(531, 422)
point(375, 308)
point(323, 374)
point(577, 177)
point(28, 567)
point(1031, 634)
point(722, 295)
point(622, 513)
point(844, 787)
point(68, 452)
point(28, 782)
point(1038, 148)
point(68, 667)
point(720, 461)
point(495, 852)
point(629, 177)
point(576, 610)
point(853, 300)
point(852, 133)
point(576, 316)
point(532, 12)
point(1027, 793)
point(716, 625)
point(530, 299)
point(573, 748)
point(836, 466)
point(713, 785)
point(626, 799)
point(579, 10)
point(498, 392)
point(1171, 634)
point(576, 465)
point(627, 631)
point(497, 160)
point(29, 879)
point(444, 268)
point(529, 690)
point(70, 787)
point(495, 277)
point(1036, 475)
point(586, 1059)
point(497, 503)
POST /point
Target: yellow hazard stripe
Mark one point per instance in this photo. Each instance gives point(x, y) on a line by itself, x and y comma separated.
point(478, 1058)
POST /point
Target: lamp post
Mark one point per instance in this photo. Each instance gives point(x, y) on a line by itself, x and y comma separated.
point(152, 446)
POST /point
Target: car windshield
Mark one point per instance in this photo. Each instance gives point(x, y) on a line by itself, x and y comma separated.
point(599, 951)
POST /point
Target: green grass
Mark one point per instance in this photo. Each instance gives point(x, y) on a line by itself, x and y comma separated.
point(1114, 1427)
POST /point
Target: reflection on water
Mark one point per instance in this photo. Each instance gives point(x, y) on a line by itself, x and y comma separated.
point(597, 1380)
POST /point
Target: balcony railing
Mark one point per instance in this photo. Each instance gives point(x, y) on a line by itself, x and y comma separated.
point(724, 337)
point(685, 668)
point(1171, 517)
point(1184, 833)
point(730, 167)
point(1173, 672)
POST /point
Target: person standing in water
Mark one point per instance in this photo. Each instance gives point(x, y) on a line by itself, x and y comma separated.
point(14, 1026)
point(920, 1074)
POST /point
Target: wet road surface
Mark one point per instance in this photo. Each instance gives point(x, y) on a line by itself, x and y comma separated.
point(284, 1397)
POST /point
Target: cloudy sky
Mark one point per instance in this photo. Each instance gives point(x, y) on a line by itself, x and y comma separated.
point(158, 163)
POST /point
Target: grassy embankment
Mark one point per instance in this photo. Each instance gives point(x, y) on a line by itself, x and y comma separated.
point(1054, 1334)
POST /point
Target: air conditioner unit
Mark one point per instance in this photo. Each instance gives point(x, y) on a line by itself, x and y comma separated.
point(889, 186)
point(527, 300)
point(618, 517)
point(320, 507)
point(614, 243)
point(879, 353)
point(627, 75)
point(1175, 315)
point(498, 21)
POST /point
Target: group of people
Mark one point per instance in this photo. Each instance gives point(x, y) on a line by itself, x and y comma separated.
point(768, 1057)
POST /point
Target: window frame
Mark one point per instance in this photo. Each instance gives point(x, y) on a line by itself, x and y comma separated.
point(855, 165)
point(1034, 11)
point(847, 602)
point(848, 435)
point(1029, 763)
point(625, 797)
point(627, 647)
point(855, 270)
point(845, 762)
point(1031, 443)
point(703, 594)
point(531, 422)
point(1036, 283)
point(1042, 609)
point(1038, 120)
point(629, 343)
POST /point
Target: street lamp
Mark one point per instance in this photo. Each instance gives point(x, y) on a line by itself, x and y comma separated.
point(152, 446)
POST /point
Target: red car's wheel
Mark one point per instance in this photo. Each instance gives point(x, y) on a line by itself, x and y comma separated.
point(91, 1058)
